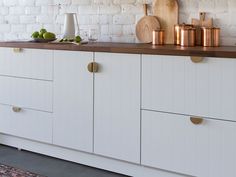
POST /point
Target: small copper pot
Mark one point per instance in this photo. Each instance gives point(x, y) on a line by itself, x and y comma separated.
point(158, 37)
point(177, 32)
point(188, 37)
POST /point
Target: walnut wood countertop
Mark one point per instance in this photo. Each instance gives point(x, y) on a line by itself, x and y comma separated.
point(222, 52)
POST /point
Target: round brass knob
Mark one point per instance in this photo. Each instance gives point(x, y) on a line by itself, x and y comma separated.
point(196, 59)
point(16, 109)
point(17, 50)
point(93, 67)
point(196, 120)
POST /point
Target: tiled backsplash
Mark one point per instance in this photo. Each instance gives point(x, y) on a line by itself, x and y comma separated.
point(114, 19)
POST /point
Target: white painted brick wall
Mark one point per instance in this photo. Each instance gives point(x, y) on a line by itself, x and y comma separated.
point(114, 19)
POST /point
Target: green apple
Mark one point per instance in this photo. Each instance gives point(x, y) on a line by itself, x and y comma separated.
point(35, 35)
point(49, 35)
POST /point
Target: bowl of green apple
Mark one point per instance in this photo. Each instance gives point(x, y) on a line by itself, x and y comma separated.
point(43, 36)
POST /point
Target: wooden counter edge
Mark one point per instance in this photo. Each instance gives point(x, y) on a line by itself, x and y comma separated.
point(131, 48)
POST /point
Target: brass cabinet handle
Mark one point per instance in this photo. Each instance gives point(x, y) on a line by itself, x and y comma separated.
point(17, 50)
point(196, 59)
point(93, 67)
point(196, 120)
point(16, 109)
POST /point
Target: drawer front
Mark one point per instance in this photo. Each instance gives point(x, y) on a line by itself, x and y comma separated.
point(28, 124)
point(176, 84)
point(172, 142)
point(28, 63)
point(26, 93)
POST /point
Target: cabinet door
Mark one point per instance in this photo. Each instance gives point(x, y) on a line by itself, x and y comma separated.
point(27, 63)
point(27, 123)
point(176, 84)
point(172, 142)
point(73, 100)
point(117, 106)
point(26, 93)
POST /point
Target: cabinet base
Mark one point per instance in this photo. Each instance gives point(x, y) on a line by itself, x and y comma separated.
point(85, 158)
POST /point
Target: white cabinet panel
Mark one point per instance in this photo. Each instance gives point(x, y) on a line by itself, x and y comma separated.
point(26, 93)
point(176, 84)
point(173, 143)
point(73, 100)
point(117, 106)
point(29, 63)
point(28, 124)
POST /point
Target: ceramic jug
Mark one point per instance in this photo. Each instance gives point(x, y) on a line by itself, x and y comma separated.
point(70, 25)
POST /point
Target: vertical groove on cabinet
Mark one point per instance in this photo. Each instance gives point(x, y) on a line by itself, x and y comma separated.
point(53, 89)
point(141, 63)
point(94, 60)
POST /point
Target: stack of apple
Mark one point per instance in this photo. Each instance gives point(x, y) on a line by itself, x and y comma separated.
point(43, 34)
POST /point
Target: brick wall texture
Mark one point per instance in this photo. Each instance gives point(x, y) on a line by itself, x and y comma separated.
point(114, 20)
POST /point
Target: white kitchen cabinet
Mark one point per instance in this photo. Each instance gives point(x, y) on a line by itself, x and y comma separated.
point(117, 106)
point(172, 142)
point(26, 123)
point(27, 63)
point(73, 100)
point(176, 84)
point(26, 93)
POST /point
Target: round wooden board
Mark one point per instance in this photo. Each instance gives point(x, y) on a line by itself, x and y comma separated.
point(145, 27)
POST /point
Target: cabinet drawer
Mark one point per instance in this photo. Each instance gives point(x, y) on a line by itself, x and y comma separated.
point(28, 124)
point(176, 84)
point(174, 143)
point(26, 93)
point(28, 63)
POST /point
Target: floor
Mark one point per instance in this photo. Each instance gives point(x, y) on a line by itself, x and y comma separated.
point(48, 166)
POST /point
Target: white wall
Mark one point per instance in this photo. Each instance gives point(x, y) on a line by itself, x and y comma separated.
point(114, 19)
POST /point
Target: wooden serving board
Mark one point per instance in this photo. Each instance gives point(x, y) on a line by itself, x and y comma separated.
point(167, 12)
point(145, 26)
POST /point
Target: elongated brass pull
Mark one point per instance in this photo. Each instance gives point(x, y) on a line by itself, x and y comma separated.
point(17, 50)
point(93, 67)
point(196, 120)
point(196, 59)
point(16, 109)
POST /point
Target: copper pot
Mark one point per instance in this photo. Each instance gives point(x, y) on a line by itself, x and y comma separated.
point(158, 37)
point(177, 32)
point(210, 37)
point(207, 36)
point(216, 37)
point(188, 37)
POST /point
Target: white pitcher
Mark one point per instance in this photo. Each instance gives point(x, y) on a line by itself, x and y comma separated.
point(69, 25)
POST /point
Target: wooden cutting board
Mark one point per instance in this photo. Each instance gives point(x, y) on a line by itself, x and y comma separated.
point(202, 22)
point(145, 26)
point(167, 12)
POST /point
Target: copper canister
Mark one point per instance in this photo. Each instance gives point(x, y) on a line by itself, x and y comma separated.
point(177, 32)
point(158, 37)
point(207, 37)
point(188, 37)
point(198, 35)
point(216, 37)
